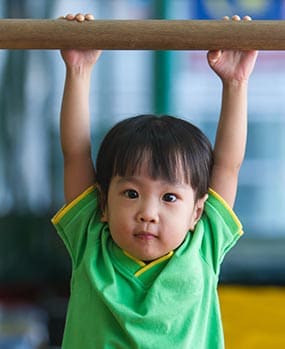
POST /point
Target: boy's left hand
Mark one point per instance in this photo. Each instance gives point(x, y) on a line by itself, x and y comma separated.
point(232, 65)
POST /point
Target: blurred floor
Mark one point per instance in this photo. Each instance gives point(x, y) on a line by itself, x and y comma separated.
point(253, 317)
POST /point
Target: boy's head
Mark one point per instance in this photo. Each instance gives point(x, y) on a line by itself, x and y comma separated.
point(153, 175)
point(166, 143)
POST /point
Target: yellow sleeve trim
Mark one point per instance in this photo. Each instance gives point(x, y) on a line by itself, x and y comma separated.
point(227, 206)
point(69, 206)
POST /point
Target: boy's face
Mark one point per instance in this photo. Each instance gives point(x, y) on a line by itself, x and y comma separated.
point(149, 218)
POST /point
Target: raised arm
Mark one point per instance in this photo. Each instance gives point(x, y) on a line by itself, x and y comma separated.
point(75, 131)
point(234, 69)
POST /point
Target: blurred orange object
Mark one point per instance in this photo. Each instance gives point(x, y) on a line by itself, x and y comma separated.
point(253, 317)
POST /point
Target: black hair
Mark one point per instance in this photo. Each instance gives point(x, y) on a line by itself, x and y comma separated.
point(167, 144)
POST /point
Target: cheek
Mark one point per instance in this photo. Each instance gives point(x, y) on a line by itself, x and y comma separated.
point(120, 231)
point(187, 219)
point(116, 219)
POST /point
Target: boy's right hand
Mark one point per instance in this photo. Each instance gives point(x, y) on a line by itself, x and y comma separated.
point(76, 58)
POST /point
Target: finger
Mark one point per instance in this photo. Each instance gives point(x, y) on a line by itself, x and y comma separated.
point(214, 55)
point(236, 18)
point(226, 18)
point(89, 17)
point(69, 17)
point(80, 17)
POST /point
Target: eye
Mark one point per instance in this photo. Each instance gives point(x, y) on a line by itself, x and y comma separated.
point(131, 194)
point(169, 197)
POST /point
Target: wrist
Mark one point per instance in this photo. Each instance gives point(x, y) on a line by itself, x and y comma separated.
point(235, 84)
point(79, 70)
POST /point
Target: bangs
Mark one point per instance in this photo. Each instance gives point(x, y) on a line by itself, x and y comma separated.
point(165, 147)
point(154, 157)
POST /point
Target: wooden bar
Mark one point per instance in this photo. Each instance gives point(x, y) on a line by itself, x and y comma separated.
point(142, 34)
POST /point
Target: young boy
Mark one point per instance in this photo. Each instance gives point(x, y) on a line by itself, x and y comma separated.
point(147, 240)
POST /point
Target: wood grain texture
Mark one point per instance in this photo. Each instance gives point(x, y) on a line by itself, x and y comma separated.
point(142, 34)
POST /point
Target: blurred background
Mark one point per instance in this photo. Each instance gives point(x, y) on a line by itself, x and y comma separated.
point(34, 265)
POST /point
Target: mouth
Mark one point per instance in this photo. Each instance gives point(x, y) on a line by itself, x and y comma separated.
point(146, 236)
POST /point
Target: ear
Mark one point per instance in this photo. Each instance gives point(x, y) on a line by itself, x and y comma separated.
point(198, 210)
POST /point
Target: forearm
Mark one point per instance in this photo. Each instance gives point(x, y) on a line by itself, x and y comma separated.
point(75, 133)
point(75, 120)
point(231, 135)
point(229, 149)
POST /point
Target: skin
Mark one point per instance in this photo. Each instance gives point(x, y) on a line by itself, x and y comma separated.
point(233, 68)
point(147, 217)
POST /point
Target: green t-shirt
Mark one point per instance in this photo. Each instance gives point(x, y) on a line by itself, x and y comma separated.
point(120, 302)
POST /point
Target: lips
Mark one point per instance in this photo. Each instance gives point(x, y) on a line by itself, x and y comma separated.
point(144, 235)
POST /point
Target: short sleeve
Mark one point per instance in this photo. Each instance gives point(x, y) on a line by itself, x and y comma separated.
point(221, 230)
point(73, 222)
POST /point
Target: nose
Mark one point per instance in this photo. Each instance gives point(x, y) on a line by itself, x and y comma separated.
point(148, 219)
point(148, 213)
